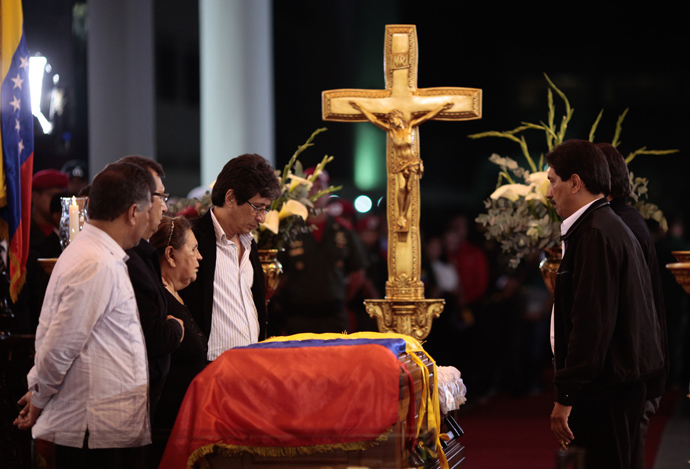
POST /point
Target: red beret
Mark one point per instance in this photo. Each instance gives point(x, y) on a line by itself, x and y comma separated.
point(49, 178)
point(369, 223)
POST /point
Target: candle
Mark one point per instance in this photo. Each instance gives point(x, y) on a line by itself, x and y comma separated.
point(73, 219)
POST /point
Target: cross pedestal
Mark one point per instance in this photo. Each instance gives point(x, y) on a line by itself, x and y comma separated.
point(399, 110)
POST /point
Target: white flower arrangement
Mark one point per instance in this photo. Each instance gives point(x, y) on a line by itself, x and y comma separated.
point(518, 215)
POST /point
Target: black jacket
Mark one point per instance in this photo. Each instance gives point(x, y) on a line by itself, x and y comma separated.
point(162, 336)
point(633, 220)
point(198, 296)
point(605, 323)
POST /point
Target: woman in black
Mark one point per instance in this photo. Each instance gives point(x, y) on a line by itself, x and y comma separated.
point(179, 257)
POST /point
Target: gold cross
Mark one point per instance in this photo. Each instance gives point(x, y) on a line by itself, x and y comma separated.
point(399, 110)
point(401, 93)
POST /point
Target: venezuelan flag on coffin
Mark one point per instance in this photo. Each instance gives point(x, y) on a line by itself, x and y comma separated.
point(298, 394)
point(16, 142)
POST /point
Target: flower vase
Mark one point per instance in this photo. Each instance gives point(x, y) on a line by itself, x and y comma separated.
point(272, 270)
point(72, 219)
point(549, 266)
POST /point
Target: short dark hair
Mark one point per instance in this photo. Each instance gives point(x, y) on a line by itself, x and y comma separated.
point(116, 188)
point(583, 158)
point(144, 162)
point(620, 176)
point(172, 231)
point(246, 175)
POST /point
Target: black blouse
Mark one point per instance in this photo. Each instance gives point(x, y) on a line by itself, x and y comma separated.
point(186, 362)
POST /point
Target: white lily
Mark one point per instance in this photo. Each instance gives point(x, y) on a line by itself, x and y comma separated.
point(511, 192)
point(293, 207)
point(272, 222)
point(539, 184)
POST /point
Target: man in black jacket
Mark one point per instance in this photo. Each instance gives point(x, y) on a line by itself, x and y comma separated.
point(607, 338)
point(163, 332)
point(228, 297)
point(618, 198)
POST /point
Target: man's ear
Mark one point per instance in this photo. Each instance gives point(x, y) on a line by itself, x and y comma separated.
point(576, 184)
point(230, 197)
point(131, 214)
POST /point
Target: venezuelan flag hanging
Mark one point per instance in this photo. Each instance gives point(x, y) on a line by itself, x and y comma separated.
point(16, 142)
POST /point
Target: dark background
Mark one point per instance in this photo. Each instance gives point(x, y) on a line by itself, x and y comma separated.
point(603, 58)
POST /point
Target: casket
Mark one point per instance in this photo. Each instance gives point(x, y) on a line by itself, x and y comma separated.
point(314, 400)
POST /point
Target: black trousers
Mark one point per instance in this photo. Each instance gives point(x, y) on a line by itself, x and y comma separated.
point(639, 450)
point(105, 458)
point(606, 424)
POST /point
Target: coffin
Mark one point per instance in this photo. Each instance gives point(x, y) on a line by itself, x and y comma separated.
point(314, 400)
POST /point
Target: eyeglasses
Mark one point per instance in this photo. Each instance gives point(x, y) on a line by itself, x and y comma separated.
point(260, 210)
point(163, 195)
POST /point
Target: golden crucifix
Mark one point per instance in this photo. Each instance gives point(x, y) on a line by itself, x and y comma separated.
point(399, 110)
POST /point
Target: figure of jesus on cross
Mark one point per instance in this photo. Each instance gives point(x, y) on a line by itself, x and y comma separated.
point(400, 109)
point(407, 162)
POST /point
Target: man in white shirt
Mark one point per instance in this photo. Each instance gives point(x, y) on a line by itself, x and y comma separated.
point(88, 389)
point(228, 298)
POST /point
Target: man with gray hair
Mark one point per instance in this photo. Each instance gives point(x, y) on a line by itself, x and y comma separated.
point(88, 388)
point(162, 331)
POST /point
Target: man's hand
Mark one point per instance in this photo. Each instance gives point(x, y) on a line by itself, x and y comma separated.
point(29, 413)
point(559, 423)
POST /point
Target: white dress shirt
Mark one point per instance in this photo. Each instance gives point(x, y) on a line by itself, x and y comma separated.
point(90, 369)
point(234, 320)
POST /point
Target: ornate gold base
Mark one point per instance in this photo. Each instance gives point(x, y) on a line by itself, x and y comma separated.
point(681, 270)
point(272, 269)
point(47, 264)
point(549, 267)
point(409, 317)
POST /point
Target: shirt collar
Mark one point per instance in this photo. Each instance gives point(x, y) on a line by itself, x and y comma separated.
point(570, 223)
point(105, 239)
